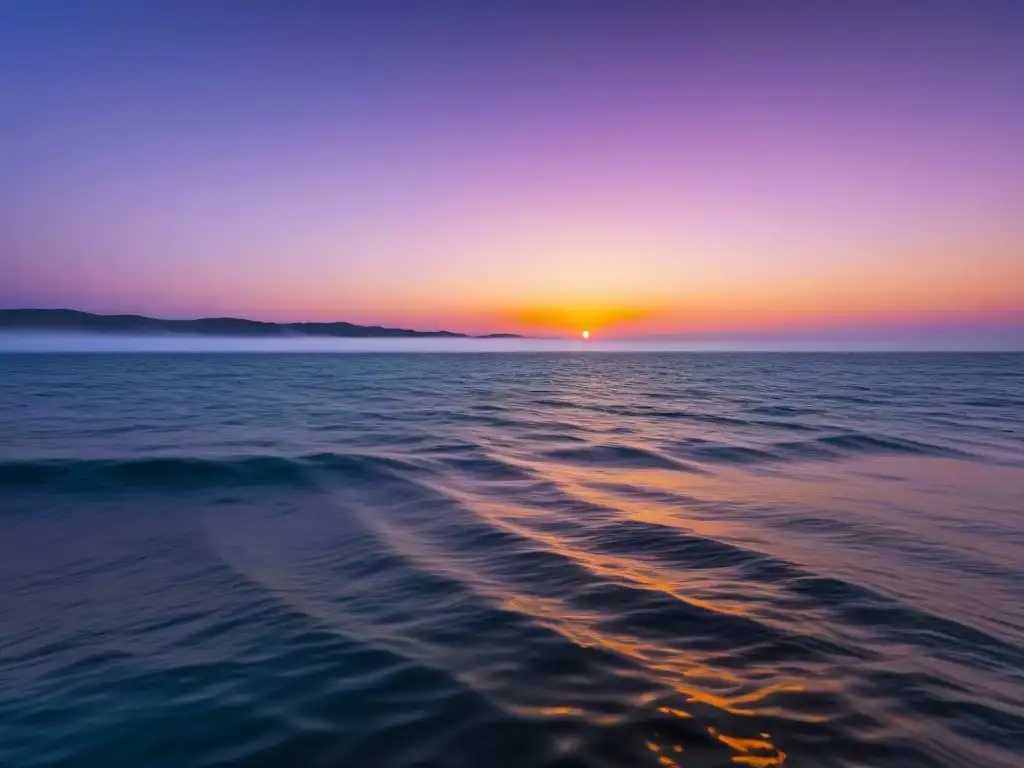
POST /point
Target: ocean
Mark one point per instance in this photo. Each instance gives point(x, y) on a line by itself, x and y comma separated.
point(556, 560)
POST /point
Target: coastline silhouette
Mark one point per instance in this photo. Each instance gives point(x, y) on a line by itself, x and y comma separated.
point(75, 320)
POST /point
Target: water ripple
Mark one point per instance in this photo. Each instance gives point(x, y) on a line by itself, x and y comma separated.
point(556, 561)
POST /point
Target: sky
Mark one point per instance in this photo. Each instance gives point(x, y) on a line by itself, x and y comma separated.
point(650, 169)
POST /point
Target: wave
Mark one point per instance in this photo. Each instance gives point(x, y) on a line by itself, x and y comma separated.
point(484, 467)
point(856, 442)
point(697, 417)
point(182, 473)
point(1006, 403)
point(784, 410)
point(825, 448)
point(307, 471)
point(616, 457)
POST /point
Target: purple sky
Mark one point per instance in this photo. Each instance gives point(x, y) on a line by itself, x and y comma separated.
point(638, 168)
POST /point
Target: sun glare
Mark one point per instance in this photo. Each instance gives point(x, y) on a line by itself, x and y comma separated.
point(586, 334)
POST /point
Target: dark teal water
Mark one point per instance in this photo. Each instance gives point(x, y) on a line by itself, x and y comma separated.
point(557, 560)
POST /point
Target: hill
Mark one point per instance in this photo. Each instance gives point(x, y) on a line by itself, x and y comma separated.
point(73, 320)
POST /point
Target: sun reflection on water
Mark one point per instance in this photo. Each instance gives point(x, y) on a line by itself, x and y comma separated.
point(707, 691)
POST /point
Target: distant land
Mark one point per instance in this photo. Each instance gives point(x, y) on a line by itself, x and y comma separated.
point(73, 320)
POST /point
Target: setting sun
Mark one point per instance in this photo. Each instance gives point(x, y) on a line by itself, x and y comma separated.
point(586, 334)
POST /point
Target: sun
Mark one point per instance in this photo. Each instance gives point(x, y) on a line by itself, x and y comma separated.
point(585, 334)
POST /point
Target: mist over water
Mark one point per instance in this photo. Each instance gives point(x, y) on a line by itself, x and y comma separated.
point(1010, 338)
point(560, 560)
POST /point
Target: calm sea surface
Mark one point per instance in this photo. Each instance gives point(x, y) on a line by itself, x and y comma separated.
point(511, 560)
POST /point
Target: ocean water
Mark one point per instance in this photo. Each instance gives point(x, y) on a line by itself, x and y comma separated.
point(558, 560)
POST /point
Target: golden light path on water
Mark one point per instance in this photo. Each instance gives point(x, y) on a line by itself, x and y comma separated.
point(699, 686)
